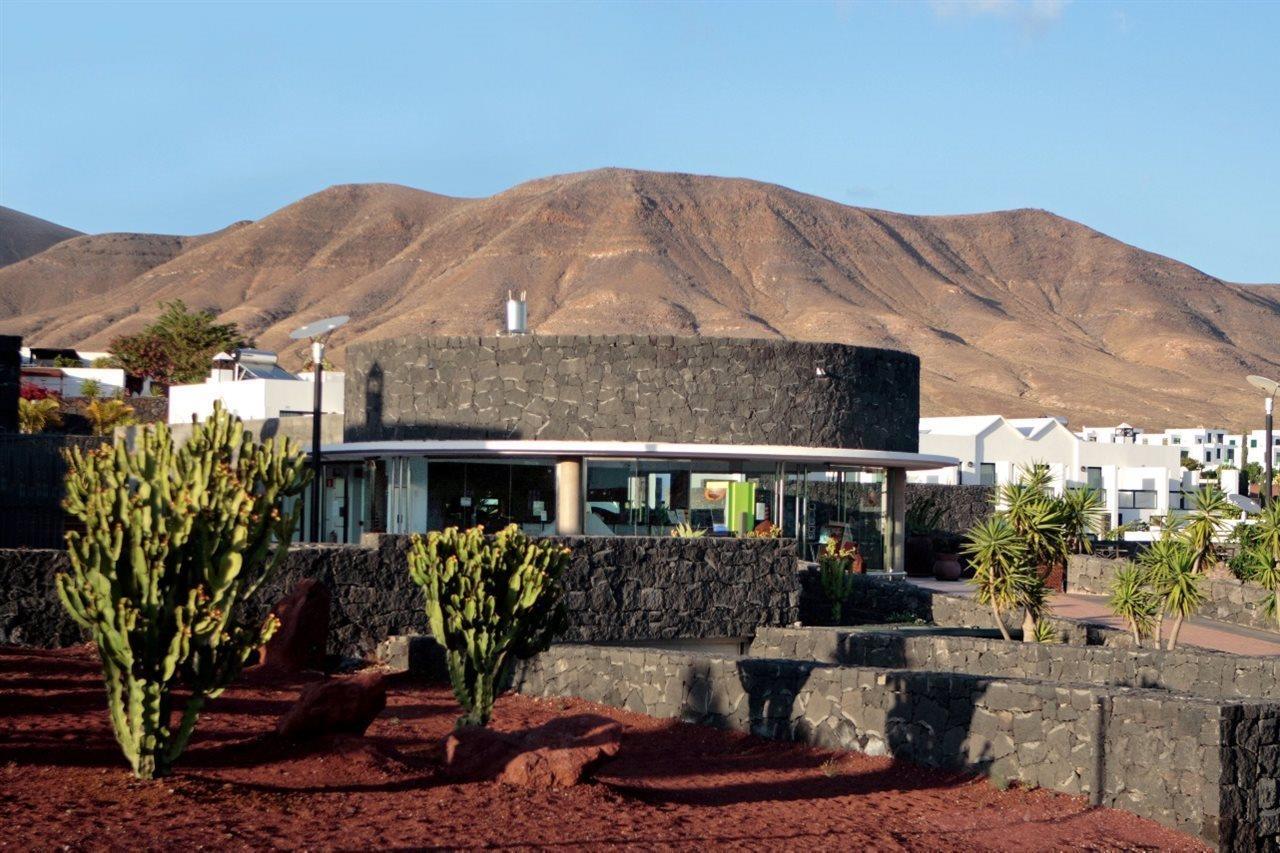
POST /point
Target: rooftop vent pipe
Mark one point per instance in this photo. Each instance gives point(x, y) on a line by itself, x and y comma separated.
point(517, 314)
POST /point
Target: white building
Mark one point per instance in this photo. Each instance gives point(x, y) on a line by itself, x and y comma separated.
point(1206, 445)
point(1250, 447)
point(252, 385)
point(1212, 447)
point(65, 372)
point(1138, 481)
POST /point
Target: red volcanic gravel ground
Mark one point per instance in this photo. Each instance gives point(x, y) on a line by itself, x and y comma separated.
point(672, 786)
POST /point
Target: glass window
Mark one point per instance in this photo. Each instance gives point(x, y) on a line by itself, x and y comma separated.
point(465, 493)
point(987, 474)
point(1093, 478)
point(649, 497)
point(1137, 499)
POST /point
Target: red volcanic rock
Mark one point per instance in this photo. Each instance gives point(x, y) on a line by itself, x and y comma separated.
point(299, 643)
point(557, 754)
point(343, 705)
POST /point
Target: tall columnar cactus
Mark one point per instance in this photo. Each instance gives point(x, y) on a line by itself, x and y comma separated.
point(175, 541)
point(490, 601)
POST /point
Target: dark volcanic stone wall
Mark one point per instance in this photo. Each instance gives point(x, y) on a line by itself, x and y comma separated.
point(617, 588)
point(1201, 766)
point(655, 588)
point(30, 612)
point(962, 506)
point(624, 588)
point(633, 388)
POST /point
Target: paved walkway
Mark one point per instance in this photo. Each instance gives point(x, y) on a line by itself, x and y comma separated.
point(1204, 633)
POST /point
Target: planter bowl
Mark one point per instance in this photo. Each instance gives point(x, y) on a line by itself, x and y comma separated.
point(947, 568)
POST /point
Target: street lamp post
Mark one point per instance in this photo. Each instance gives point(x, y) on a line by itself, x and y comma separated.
point(1271, 388)
point(318, 333)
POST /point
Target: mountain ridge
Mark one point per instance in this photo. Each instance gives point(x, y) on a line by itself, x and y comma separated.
point(1021, 312)
point(23, 235)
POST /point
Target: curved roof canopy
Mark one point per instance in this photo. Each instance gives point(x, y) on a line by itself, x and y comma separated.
point(639, 449)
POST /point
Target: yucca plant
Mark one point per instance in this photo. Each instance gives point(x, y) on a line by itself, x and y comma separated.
point(1036, 515)
point(1181, 593)
point(1208, 518)
point(687, 531)
point(1155, 562)
point(1044, 632)
point(1266, 548)
point(1133, 601)
point(1004, 578)
point(1081, 513)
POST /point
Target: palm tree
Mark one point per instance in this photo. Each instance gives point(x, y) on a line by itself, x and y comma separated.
point(1132, 600)
point(1082, 513)
point(1206, 522)
point(105, 415)
point(1003, 576)
point(38, 415)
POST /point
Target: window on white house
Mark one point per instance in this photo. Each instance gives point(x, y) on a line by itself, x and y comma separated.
point(1093, 478)
point(1137, 498)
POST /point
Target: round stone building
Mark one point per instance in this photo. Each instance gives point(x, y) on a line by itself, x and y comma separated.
point(627, 435)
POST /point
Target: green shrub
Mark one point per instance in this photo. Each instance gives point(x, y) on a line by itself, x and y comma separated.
point(35, 416)
point(90, 389)
point(1045, 632)
point(835, 571)
point(687, 531)
point(490, 601)
point(176, 541)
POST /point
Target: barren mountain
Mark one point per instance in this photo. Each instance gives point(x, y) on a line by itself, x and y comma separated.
point(22, 236)
point(1019, 312)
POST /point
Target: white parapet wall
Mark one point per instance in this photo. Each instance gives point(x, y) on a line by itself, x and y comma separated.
point(254, 399)
point(70, 380)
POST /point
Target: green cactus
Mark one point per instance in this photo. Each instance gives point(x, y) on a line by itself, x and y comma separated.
point(175, 541)
point(490, 601)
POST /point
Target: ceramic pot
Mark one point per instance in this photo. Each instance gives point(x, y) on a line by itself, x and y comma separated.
point(947, 568)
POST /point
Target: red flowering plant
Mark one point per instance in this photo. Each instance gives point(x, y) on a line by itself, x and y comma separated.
point(31, 391)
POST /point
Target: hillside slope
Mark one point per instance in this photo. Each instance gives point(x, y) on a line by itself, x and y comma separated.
point(23, 235)
point(1020, 312)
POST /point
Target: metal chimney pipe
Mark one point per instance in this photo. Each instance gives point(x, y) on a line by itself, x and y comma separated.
point(517, 314)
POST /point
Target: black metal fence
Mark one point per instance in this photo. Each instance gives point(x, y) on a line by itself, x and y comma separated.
point(32, 481)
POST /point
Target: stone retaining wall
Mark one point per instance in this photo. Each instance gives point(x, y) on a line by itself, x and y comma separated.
point(877, 599)
point(1212, 675)
point(1226, 599)
point(617, 588)
point(633, 388)
point(1189, 763)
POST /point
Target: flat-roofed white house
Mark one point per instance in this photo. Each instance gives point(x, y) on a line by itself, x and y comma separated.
point(1138, 481)
point(252, 385)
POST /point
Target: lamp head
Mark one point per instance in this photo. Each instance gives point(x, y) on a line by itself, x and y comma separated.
point(320, 329)
point(1270, 387)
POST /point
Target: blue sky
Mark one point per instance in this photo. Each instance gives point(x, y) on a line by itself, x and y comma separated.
point(1156, 123)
